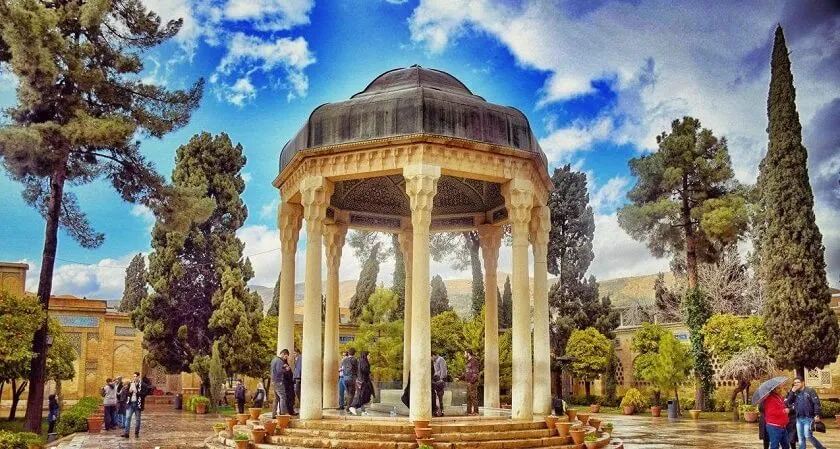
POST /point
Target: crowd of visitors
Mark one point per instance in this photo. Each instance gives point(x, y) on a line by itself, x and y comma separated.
point(790, 418)
point(122, 400)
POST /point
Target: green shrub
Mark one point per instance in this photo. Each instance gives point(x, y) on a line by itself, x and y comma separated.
point(195, 400)
point(240, 436)
point(633, 398)
point(687, 404)
point(748, 408)
point(75, 418)
point(829, 408)
point(591, 438)
point(18, 440)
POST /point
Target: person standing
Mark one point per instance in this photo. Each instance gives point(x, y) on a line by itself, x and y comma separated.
point(279, 368)
point(364, 386)
point(52, 417)
point(121, 394)
point(471, 375)
point(136, 395)
point(259, 396)
point(438, 382)
point(806, 406)
point(109, 401)
point(776, 419)
point(350, 368)
point(239, 395)
point(298, 366)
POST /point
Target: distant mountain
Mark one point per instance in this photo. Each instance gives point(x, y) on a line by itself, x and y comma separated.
point(622, 291)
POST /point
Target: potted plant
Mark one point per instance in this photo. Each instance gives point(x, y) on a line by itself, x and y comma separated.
point(695, 413)
point(595, 406)
point(95, 423)
point(424, 446)
point(577, 435)
point(270, 425)
point(571, 413)
point(750, 413)
point(422, 433)
point(583, 417)
point(258, 434)
point(283, 422)
point(550, 422)
point(563, 428)
point(230, 423)
point(425, 442)
point(255, 413)
point(242, 418)
point(655, 411)
point(200, 403)
point(607, 427)
point(241, 439)
point(595, 422)
point(218, 427)
point(631, 401)
point(591, 441)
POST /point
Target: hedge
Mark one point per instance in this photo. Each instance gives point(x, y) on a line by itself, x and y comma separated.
point(18, 440)
point(75, 418)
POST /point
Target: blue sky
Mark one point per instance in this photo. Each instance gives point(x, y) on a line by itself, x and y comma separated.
point(597, 79)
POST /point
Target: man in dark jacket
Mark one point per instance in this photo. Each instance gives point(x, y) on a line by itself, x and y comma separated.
point(471, 375)
point(806, 405)
point(239, 395)
point(135, 397)
point(279, 367)
point(350, 369)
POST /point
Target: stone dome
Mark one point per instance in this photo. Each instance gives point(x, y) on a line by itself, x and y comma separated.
point(413, 100)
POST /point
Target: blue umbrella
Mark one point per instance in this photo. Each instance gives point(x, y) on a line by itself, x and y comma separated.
point(766, 388)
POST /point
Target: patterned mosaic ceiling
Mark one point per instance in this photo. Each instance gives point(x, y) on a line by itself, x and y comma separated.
point(386, 195)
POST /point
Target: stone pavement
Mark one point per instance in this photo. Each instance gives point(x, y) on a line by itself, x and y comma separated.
point(159, 429)
point(175, 430)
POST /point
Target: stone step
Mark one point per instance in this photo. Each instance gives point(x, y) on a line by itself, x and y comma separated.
point(489, 436)
point(504, 442)
point(349, 435)
point(438, 427)
point(316, 442)
point(497, 427)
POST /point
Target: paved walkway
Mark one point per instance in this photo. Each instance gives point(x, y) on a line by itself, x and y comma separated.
point(175, 430)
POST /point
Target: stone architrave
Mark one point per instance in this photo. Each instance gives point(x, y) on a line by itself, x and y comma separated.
point(490, 239)
point(421, 187)
point(315, 196)
point(406, 246)
point(540, 227)
point(334, 235)
point(289, 217)
point(519, 198)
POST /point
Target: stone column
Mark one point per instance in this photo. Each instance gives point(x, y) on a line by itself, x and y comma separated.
point(405, 239)
point(421, 186)
point(490, 238)
point(333, 243)
point(540, 227)
point(518, 195)
point(288, 222)
point(315, 196)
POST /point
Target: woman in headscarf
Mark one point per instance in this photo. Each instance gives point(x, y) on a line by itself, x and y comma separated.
point(259, 396)
point(364, 386)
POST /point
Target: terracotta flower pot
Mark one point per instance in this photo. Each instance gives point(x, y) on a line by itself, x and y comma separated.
point(35, 446)
point(577, 436)
point(242, 418)
point(563, 428)
point(255, 413)
point(550, 422)
point(426, 441)
point(243, 444)
point(200, 409)
point(583, 417)
point(750, 416)
point(595, 422)
point(230, 423)
point(257, 435)
point(695, 414)
point(283, 422)
point(95, 424)
point(422, 432)
point(655, 411)
point(595, 408)
point(270, 426)
point(591, 445)
point(571, 413)
point(629, 410)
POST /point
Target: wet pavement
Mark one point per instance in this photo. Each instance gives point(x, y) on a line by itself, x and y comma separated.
point(171, 430)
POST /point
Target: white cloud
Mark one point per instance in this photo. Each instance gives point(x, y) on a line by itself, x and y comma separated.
point(103, 280)
point(269, 209)
point(193, 26)
point(610, 194)
point(270, 15)
point(247, 177)
point(241, 92)
point(562, 144)
point(618, 255)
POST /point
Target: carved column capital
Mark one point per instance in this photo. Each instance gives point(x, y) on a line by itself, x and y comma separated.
point(315, 193)
point(334, 235)
point(519, 199)
point(540, 228)
point(421, 187)
point(289, 216)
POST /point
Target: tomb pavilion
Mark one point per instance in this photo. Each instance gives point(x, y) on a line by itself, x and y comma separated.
point(414, 153)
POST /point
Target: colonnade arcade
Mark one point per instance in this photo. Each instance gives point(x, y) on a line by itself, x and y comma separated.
point(413, 186)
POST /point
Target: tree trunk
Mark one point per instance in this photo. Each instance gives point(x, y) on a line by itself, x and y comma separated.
point(17, 391)
point(38, 371)
point(677, 401)
point(800, 372)
point(587, 386)
point(742, 385)
point(473, 245)
point(690, 243)
point(59, 397)
point(657, 398)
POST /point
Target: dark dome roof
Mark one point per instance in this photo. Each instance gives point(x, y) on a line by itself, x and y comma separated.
point(413, 100)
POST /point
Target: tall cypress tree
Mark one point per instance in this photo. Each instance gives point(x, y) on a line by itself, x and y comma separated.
point(803, 329)
point(439, 298)
point(506, 306)
point(274, 308)
point(81, 105)
point(366, 285)
point(399, 278)
point(194, 272)
point(135, 285)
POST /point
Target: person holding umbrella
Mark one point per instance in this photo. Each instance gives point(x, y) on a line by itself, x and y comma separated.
point(775, 412)
point(806, 404)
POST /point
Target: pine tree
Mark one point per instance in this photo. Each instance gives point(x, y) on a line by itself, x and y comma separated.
point(192, 273)
point(399, 278)
point(506, 306)
point(274, 308)
point(366, 285)
point(80, 107)
point(135, 285)
point(235, 323)
point(439, 301)
point(798, 317)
